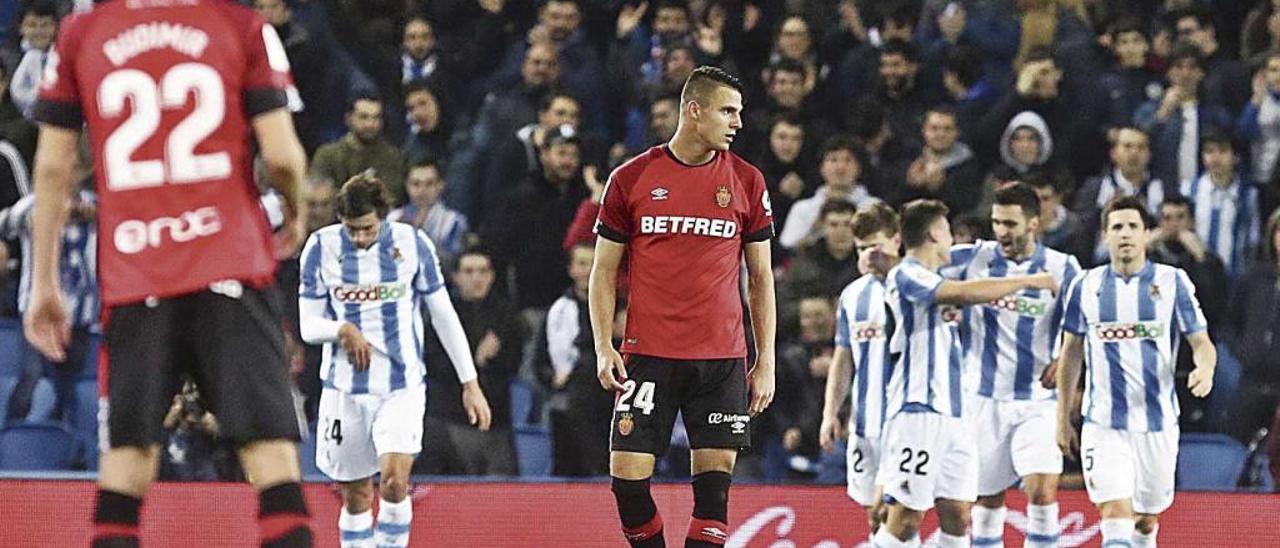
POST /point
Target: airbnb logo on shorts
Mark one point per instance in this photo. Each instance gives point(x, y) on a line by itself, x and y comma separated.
point(1117, 331)
point(134, 236)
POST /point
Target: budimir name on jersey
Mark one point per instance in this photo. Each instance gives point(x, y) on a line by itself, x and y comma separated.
point(698, 226)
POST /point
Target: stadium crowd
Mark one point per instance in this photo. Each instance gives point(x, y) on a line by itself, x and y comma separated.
point(496, 123)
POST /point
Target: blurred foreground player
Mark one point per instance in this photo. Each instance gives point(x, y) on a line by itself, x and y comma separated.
point(363, 284)
point(1127, 312)
point(169, 91)
point(685, 213)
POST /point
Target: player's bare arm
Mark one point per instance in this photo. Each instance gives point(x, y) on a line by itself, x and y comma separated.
point(46, 323)
point(602, 290)
point(970, 292)
point(286, 163)
point(838, 380)
point(764, 321)
point(1070, 364)
point(1205, 355)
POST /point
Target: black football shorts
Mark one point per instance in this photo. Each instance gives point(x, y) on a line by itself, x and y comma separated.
point(711, 396)
point(229, 342)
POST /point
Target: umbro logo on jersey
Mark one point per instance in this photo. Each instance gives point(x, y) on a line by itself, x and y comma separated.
point(659, 193)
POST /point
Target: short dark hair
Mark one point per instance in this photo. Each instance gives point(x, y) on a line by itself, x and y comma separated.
point(473, 250)
point(905, 12)
point(873, 219)
point(682, 5)
point(1037, 178)
point(942, 109)
point(703, 80)
point(836, 206)
point(904, 48)
point(1126, 24)
point(1215, 136)
point(917, 217)
point(363, 96)
point(1121, 203)
point(1177, 200)
point(965, 63)
point(40, 8)
point(840, 142)
point(1183, 50)
point(545, 101)
point(426, 160)
point(786, 64)
point(1019, 194)
point(1203, 17)
point(1038, 53)
point(788, 118)
point(361, 195)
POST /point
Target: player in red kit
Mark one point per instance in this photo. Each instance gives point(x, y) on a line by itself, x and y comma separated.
point(686, 213)
point(170, 91)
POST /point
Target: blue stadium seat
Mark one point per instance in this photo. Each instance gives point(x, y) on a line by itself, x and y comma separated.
point(36, 446)
point(86, 423)
point(7, 383)
point(1209, 462)
point(10, 348)
point(307, 453)
point(42, 400)
point(522, 397)
point(533, 451)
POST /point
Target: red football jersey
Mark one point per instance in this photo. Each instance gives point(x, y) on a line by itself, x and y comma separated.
point(685, 227)
point(167, 88)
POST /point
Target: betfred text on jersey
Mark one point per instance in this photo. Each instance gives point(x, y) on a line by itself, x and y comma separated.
point(1021, 306)
point(134, 236)
point(369, 293)
point(698, 226)
point(1120, 331)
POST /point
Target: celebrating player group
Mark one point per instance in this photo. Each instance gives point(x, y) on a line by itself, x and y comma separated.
point(963, 362)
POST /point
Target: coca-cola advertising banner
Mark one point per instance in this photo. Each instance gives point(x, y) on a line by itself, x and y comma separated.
point(474, 515)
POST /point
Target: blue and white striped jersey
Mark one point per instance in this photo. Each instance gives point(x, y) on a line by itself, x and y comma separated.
point(1012, 339)
point(927, 375)
point(380, 291)
point(77, 266)
point(1131, 343)
point(861, 321)
point(1227, 219)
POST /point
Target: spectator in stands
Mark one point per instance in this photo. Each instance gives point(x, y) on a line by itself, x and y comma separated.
point(193, 450)
point(428, 119)
point(786, 165)
point(1254, 325)
point(559, 25)
point(638, 53)
point(38, 27)
point(1226, 205)
point(315, 87)
point(1128, 174)
point(580, 441)
point(1226, 79)
point(17, 131)
point(318, 193)
point(802, 377)
point(840, 169)
point(1176, 121)
point(855, 73)
point(502, 113)
point(1130, 82)
point(678, 62)
point(1026, 147)
point(828, 264)
point(1260, 34)
point(420, 58)
point(1259, 122)
point(1177, 244)
point(972, 92)
point(990, 27)
point(786, 94)
point(1060, 228)
point(444, 225)
point(362, 148)
point(945, 169)
point(515, 156)
point(78, 272)
point(900, 92)
point(496, 337)
point(525, 234)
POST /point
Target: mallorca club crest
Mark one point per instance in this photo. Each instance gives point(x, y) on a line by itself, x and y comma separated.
point(626, 424)
point(723, 196)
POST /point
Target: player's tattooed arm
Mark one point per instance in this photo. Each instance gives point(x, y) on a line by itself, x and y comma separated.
point(1070, 364)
